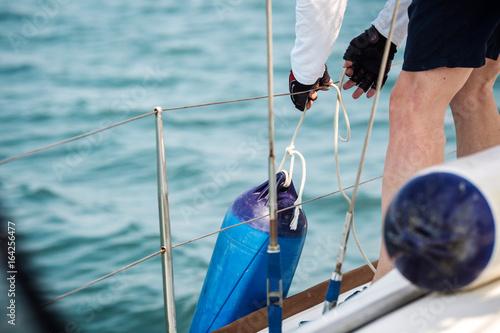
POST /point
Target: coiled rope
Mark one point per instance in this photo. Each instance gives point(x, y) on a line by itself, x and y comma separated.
point(290, 151)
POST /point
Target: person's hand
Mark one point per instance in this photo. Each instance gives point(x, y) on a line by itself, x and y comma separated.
point(363, 61)
point(300, 100)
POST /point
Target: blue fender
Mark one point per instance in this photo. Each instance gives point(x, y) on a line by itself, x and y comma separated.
point(235, 284)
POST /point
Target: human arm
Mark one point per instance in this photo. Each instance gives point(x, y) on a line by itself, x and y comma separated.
point(316, 30)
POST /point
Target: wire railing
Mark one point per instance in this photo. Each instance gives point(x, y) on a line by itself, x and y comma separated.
point(85, 286)
point(197, 239)
point(50, 146)
point(81, 136)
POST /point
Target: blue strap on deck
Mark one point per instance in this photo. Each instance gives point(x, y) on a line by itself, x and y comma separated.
point(274, 291)
point(333, 291)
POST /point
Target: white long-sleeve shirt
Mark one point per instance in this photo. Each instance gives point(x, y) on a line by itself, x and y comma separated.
point(317, 27)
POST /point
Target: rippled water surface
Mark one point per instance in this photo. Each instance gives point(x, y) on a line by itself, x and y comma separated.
point(84, 209)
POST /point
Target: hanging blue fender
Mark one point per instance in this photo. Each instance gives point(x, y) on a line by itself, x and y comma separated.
point(235, 284)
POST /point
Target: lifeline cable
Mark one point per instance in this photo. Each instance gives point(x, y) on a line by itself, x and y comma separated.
point(208, 235)
point(101, 278)
point(53, 145)
point(39, 150)
point(192, 241)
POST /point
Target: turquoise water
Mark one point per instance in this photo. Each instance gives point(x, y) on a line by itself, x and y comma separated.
point(89, 207)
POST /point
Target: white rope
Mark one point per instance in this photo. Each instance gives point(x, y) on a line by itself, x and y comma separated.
point(293, 139)
point(340, 103)
point(296, 213)
point(290, 151)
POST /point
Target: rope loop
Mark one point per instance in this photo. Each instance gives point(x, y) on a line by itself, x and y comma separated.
point(290, 151)
point(340, 103)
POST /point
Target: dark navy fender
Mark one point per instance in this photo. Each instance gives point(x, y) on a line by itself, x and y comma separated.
point(440, 231)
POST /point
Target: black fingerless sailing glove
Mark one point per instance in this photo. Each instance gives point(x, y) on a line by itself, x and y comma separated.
point(366, 52)
point(300, 100)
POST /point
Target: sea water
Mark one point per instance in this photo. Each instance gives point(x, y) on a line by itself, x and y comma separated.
point(86, 208)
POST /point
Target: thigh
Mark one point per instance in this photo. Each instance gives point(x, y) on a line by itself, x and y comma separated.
point(427, 93)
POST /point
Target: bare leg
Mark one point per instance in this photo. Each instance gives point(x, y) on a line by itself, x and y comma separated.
point(416, 137)
point(477, 121)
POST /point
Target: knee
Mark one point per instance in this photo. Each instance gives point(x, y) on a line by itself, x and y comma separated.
point(477, 90)
point(470, 97)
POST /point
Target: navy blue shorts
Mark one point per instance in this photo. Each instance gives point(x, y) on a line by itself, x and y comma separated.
point(452, 33)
